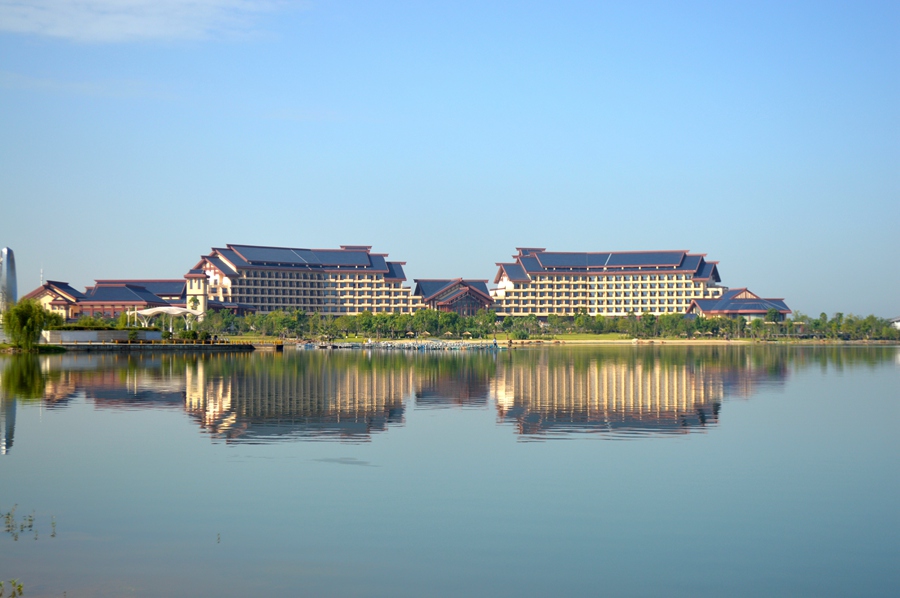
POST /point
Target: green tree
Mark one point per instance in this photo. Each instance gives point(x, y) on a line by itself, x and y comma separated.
point(448, 322)
point(426, 320)
point(584, 322)
point(555, 323)
point(400, 323)
point(23, 323)
point(756, 328)
point(343, 324)
point(365, 322)
point(485, 321)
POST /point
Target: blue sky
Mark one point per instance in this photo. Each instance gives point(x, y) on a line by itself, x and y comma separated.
point(137, 134)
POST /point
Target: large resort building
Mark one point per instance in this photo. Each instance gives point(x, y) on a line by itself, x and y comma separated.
point(352, 280)
point(544, 283)
point(349, 280)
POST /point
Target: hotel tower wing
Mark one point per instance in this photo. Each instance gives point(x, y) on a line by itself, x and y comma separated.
point(542, 282)
point(349, 280)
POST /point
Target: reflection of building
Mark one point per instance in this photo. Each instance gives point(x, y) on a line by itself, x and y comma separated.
point(455, 380)
point(7, 424)
point(327, 401)
point(352, 394)
point(615, 397)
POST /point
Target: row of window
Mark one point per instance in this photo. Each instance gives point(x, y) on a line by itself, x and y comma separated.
point(280, 275)
point(514, 297)
point(613, 277)
point(518, 311)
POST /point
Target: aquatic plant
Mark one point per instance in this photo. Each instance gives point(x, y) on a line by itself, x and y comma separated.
point(15, 588)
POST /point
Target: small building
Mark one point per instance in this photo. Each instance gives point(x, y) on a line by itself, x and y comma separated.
point(58, 298)
point(735, 303)
point(464, 297)
point(110, 300)
point(189, 292)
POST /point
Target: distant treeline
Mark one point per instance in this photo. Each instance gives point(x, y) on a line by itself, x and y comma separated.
point(486, 323)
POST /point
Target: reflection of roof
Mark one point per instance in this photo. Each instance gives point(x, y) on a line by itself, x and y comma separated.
point(531, 261)
point(617, 424)
point(257, 430)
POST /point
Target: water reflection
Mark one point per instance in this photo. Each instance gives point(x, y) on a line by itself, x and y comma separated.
point(350, 395)
point(646, 391)
point(454, 380)
point(310, 395)
point(7, 424)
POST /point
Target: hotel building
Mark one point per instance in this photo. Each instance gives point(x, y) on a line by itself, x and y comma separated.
point(542, 283)
point(349, 280)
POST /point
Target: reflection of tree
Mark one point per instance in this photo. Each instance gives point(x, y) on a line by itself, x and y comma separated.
point(352, 393)
point(22, 378)
point(460, 378)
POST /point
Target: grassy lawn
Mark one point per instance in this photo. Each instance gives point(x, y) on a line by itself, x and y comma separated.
point(501, 337)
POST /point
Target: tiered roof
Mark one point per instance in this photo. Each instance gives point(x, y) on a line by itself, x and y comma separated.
point(121, 294)
point(736, 302)
point(233, 258)
point(444, 293)
point(430, 288)
point(60, 289)
point(169, 289)
point(532, 261)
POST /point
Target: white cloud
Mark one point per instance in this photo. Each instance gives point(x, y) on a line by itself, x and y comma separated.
point(133, 20)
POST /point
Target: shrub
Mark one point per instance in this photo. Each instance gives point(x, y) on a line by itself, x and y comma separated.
point(23, 323)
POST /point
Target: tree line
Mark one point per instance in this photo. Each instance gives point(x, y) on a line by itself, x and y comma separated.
point(24, 321)
point(486, 324)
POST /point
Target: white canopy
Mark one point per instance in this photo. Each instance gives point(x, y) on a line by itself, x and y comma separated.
point(148, 314)
point(168, 310)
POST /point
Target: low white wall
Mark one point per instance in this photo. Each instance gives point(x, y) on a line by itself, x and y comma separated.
point(55, 337)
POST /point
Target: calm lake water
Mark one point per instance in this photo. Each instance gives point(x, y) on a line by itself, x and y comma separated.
point(618, 471)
